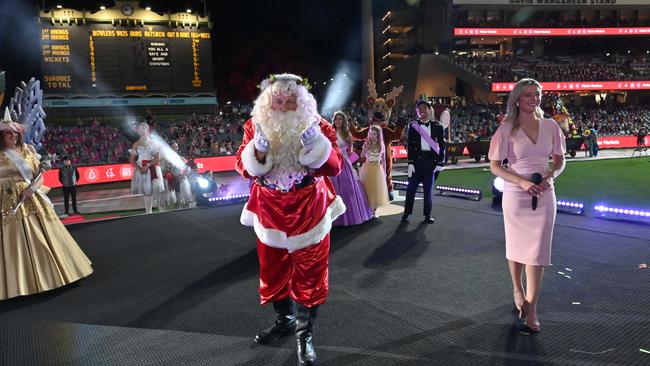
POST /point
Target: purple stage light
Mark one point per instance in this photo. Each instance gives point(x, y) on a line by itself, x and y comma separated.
point(474, 194)
point(605, 211)
point(576, 208)
point(233, 197)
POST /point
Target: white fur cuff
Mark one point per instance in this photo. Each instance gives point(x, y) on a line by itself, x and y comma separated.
point(278, 239)
point(251, 164)
point(318, 155)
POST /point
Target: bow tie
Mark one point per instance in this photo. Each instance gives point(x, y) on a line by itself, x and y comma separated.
point(423, 123)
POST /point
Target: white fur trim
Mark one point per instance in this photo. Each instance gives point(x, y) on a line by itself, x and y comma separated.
point(278, 239)
point(251, 164)
point(318, 155)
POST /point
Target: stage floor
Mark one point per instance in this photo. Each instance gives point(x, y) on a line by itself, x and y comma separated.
point(180, 288)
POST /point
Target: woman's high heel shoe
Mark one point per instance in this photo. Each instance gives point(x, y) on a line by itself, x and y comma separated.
point(533, 325)
point(519, 299)
point(530, 323)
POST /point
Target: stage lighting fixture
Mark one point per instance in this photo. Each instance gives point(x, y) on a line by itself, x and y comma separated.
point(401, 185)
point(189, 10)
point(148, 8)
point(234, 197)
point(460, 192)
point(575, 208)
point(618, 213)
point(202, 182)
point(497, 191)
point(102, 7)
point(59, 6)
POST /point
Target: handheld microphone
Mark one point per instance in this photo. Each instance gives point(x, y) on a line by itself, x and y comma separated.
point(537, 179)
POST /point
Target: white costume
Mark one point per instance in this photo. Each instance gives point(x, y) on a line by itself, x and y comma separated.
point(184, 196)
point(143, 183)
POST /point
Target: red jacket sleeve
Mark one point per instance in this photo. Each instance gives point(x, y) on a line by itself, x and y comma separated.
point(334, 163)
point(249, 132)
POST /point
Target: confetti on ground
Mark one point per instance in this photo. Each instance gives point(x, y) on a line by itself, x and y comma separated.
point(560, 272)
point(567, 276)
point(575, 303)
point(644, 350)
point(569, 269)
point(591, 353)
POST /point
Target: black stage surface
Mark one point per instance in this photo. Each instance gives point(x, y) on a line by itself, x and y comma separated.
point(179, 288)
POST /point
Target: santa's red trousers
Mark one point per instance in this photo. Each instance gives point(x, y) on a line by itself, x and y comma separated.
point(301, 275)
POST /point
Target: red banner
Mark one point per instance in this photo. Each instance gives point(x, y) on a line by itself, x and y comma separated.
point(399, 152)
point(552, 32)
point(121, 172)
point(580, 85)
point(615, 142)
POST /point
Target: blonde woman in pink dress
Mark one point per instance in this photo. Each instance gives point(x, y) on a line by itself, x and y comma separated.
point(527, 140)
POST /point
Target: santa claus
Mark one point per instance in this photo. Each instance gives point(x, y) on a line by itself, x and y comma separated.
point(289, 150)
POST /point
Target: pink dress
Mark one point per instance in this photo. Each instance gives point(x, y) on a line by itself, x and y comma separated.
point(528, 232)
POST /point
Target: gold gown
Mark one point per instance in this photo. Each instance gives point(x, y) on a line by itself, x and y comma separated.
point(37, 252)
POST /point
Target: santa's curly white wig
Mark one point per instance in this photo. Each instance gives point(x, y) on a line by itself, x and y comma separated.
point(285, 84)
point(283, 128)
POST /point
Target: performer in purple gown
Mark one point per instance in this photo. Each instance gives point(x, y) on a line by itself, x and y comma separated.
point(347, 184)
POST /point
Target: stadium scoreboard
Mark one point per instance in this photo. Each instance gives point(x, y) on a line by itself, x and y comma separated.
point(106, 58)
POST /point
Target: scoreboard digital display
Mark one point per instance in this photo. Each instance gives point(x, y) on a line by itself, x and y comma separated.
point(107, 58)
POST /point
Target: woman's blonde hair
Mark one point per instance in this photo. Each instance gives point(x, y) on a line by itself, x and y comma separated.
point(513, 107)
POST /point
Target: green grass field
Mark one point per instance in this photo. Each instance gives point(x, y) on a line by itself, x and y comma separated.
point(616, 182)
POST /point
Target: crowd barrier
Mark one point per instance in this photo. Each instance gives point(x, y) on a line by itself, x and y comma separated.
point(120, 172)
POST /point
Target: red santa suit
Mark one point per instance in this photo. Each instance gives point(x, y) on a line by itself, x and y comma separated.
point(293, 227)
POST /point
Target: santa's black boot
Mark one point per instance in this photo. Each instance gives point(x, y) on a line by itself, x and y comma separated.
point(305, 321)
point(284, 325)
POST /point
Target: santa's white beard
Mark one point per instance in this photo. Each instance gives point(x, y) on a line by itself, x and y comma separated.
point(283, 132)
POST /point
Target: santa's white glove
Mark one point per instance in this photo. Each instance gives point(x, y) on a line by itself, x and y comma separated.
point(260, 141)
point(411, 170)
point(310, 135)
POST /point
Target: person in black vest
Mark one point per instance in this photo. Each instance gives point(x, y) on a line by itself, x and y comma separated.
point(68, 176)
point(426, 154)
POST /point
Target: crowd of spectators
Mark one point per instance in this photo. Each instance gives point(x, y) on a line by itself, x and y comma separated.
point(565, 68)
point(87, 144)
point(490, 67)
point(206, 135)
point(545, 21)
point(221, 133)
point(611, 121)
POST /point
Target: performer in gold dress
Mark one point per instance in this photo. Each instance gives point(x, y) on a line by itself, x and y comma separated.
point(37, 253)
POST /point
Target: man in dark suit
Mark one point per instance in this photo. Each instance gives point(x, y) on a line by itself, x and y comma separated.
point(68, 176)
point(426, 152)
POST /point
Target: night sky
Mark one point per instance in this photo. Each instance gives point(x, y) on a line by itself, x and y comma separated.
point(250, 39)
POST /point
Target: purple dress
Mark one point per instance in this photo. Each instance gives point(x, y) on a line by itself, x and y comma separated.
point(348, 186)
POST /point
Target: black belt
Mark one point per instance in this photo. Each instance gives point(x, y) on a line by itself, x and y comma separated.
point(305, 182)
